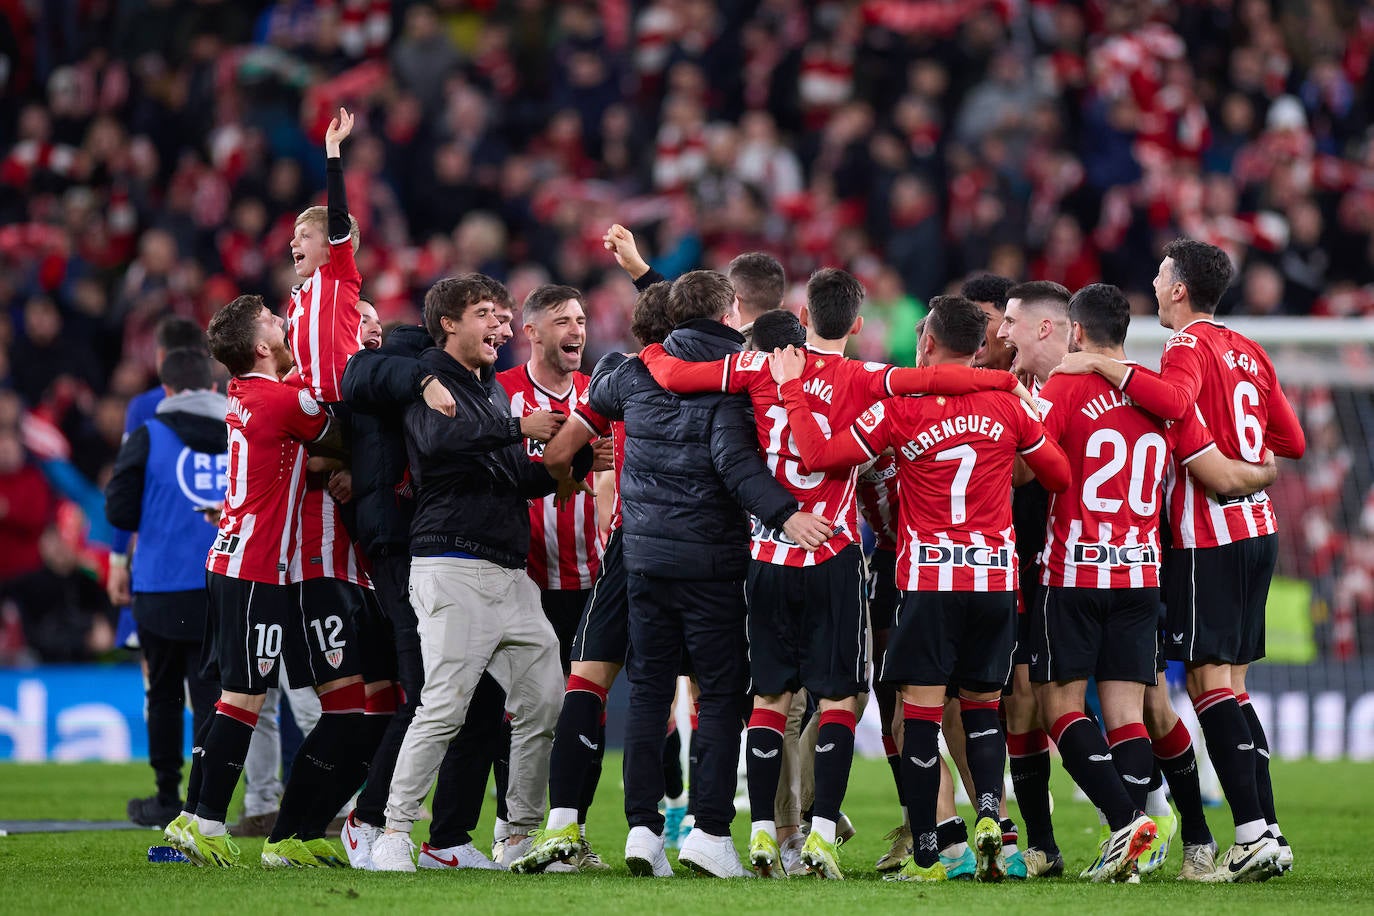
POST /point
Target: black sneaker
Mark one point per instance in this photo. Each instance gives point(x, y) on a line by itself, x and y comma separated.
point(153, 811)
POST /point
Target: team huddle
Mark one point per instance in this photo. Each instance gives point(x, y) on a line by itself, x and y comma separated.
point(461, 562)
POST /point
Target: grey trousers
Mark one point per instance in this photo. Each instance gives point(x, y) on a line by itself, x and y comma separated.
point(473, 616)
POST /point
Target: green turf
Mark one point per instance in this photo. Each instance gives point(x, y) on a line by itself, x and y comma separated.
point(108, 873)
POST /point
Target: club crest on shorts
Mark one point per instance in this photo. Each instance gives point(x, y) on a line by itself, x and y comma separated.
point(265, 665)
point(334, 657)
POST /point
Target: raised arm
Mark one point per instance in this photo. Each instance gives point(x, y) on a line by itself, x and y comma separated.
point(818, 453)
point(682, 376)
point(1231, 477)
point(1283, 433)
point(340, 227)
point(439, 436)
point(1049, 463)
point(735, 454)
point(572, 437)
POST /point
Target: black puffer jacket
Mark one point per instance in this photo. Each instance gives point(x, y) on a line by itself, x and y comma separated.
point(690, 463)
point(378, 385)
point(472, 471)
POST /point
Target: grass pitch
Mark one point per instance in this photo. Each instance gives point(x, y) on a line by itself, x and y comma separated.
point(1322, 805)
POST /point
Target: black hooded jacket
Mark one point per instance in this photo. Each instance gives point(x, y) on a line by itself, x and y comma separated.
point(378, 385)
point(690, 463)
point(473, 475)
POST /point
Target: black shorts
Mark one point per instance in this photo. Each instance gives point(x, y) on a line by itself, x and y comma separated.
point(563, 608)
point(1216, 598)
point(375, 639)
point(245, 632)
point(882, 589)
point(808, 626)
point(603, 633)
point(1027, 596)
point(1106, 633)
point(322, 643)
point(952, 639)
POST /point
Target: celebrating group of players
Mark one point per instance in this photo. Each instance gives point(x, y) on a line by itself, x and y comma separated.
point(421, 540)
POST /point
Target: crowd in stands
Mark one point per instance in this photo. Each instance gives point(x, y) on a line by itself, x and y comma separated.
point(154, 153)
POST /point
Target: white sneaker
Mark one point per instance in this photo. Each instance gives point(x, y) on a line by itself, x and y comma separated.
point(357, 838)
point(506, 854)
point(1199, 861)
point(1285, 859)
point(644, 855)
point(465, 856)
point(1124, 847)
point(791, 848)
point(1244, 862)
point(392, 852)
point(711, 855)
point(499, 834)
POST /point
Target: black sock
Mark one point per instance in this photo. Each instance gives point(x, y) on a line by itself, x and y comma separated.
point(921, 777)
point(1030, 780)
point(1263, 784)
point(894, 762)
point(225, 747)
point(575, 743)
point(1233, 753)
point(672, 765)
point(763, 761)
point(327, 770)
point(1089, 761)
point(1133, 759)
point(951, 831)
point(1174, 753)
point(987, 754)
point(1156, 775)
point(195, 779)
point(834, 757)
point(593, 775)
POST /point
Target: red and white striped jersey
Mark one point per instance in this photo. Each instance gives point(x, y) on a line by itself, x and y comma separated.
point(326, 549)
point(838, 390)
point(323, 321)
point(954, 463)
point(259, 532)
point(1103, 532)
point(565, 547)
point(1231, 380)
point(878, 501)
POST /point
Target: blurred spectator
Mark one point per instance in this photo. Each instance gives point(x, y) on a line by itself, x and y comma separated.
point(26, 506)
point(156, 153)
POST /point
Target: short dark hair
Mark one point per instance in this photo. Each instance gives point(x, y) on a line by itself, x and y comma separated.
point(1041, 292)
point(758, 279)
point(233, 334)
point(542, 298)
point(776, 329)
point(1204, 269)
point(177, 333)
point(186, 369)
point(451, 296)
point(700, 294)
point(1104, 313)
point(833, 300)
point(957, 324)
point(987, 288)
point(649, 322)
